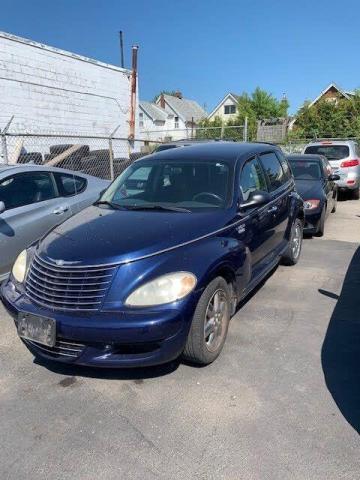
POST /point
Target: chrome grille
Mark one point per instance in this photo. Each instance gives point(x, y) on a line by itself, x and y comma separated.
point(61, 348)
point(67, 288)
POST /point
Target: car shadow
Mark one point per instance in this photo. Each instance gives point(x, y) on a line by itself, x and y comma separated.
point(340, 355)
point(136, 374)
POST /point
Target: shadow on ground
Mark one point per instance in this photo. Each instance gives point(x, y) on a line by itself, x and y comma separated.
point(340, 354)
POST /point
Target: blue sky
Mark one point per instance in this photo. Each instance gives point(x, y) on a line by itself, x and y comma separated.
point(206, 48)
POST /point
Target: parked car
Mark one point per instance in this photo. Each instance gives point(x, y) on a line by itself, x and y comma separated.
point(34, 199)
point(184, 143)
point(158, 265)
point(344, 158)
point(315, 183)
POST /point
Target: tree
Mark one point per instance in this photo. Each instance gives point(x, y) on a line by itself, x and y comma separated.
point(330, 119)
point(164, 92)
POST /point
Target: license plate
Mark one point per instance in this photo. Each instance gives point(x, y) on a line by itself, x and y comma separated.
point(38, 329)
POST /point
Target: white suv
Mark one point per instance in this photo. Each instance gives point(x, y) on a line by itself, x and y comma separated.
point(344, 158)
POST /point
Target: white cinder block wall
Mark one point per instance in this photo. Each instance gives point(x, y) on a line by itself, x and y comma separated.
point(52, 91)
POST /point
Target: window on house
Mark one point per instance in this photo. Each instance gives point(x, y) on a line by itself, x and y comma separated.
point(228, 109)
point(176, 122)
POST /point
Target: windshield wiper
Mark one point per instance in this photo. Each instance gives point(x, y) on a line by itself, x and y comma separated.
point(158, 207)
point(115, 206)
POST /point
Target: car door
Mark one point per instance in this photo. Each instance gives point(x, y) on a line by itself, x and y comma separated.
point(31, 209)
point(257, 230)
point(74, 191)
point(278, 180)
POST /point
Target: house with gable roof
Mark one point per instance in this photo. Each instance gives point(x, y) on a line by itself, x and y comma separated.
point(171, 117)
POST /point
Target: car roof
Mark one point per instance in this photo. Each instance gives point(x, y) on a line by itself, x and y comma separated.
point(324, 142)
point(230, 151)
point(305, 156)
point(30, 167)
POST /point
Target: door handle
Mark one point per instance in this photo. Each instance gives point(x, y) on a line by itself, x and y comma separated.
point(273, 209)
point(61, 210)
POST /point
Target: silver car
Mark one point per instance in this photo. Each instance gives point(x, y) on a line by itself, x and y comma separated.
point(34, 199)
point(344, 158)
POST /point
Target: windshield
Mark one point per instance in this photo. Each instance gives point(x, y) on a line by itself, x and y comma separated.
point(309, 170)
point(331, 152)
point(178, 185)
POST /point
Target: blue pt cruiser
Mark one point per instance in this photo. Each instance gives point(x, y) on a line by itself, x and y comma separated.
point(156, 267)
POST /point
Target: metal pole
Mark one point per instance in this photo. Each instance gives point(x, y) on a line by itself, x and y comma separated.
point(133, 92)
point(246, 129)
point(111, 153)
point(3, 140)
point(121, 49)
point(222, 131)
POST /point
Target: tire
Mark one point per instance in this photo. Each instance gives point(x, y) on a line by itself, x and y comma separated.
point(321, 226)
point(335, 204)
point(200, 349)
point(356, 194)
point(292, 254)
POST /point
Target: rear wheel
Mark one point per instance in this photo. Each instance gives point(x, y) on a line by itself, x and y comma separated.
point(356, 194)
point(210, 324)
point(292, 254)
point(335, 204)
point(321, 226)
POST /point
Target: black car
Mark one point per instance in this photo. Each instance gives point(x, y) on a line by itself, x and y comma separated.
point(315, 183)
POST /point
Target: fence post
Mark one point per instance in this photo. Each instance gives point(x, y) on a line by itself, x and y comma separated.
point(246, 129)
point(111, 153)
point(3, 140)
point(222, 131)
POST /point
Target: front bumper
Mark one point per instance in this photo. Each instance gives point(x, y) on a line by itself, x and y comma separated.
point(108, 339)
point(312, 220)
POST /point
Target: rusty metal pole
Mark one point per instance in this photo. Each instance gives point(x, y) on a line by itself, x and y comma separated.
point(121, 49)
point(133, 93)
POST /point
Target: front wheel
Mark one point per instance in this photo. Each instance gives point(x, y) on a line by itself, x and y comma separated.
point(292, 254)
point(210, 324)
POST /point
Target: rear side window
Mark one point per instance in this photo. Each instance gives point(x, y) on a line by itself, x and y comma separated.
point(252, 179)
point(285, 165)
point(70, 185)
point(331, 152)
point(273, 170)
point(25, 189)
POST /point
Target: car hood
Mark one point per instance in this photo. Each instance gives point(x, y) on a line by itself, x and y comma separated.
point(101, 236)
point(309, 189)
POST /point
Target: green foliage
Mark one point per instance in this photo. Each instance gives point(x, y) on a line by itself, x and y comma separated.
point(257, 106)
point(164, 92)
point(331, 119)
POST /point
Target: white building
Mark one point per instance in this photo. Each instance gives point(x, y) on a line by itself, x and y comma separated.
point(172, 117)
point(48, 90)
point(226, 109)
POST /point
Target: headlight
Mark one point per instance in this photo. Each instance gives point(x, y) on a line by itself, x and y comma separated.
point(19, 268)
point(165, 289)
point(311, 204)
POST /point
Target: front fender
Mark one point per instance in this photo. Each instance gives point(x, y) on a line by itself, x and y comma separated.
point(205, 259)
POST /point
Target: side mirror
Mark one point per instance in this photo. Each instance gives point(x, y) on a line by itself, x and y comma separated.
point(333, 177)
point(2, 207)
point(256, 199)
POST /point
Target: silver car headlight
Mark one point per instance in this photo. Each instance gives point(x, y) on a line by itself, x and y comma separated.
point(20, 266)
point(165, 289)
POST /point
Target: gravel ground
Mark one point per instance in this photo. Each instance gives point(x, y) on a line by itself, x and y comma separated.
point(282, 401)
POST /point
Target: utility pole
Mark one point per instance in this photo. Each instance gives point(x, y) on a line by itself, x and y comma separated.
point(121, 49)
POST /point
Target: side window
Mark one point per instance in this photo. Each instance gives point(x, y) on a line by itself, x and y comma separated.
point(25, 189)
point(70, 185)
point(285, 165)
point(251, 178)
point(326, 167)
point(273, 170)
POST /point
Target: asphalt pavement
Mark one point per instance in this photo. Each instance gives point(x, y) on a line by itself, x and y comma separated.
point(281, 402)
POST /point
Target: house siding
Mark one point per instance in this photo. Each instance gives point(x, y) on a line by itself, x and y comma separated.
point(219, 112)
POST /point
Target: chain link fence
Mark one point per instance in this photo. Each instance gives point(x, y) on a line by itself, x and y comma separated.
point(233, 132)
point(103, 157)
